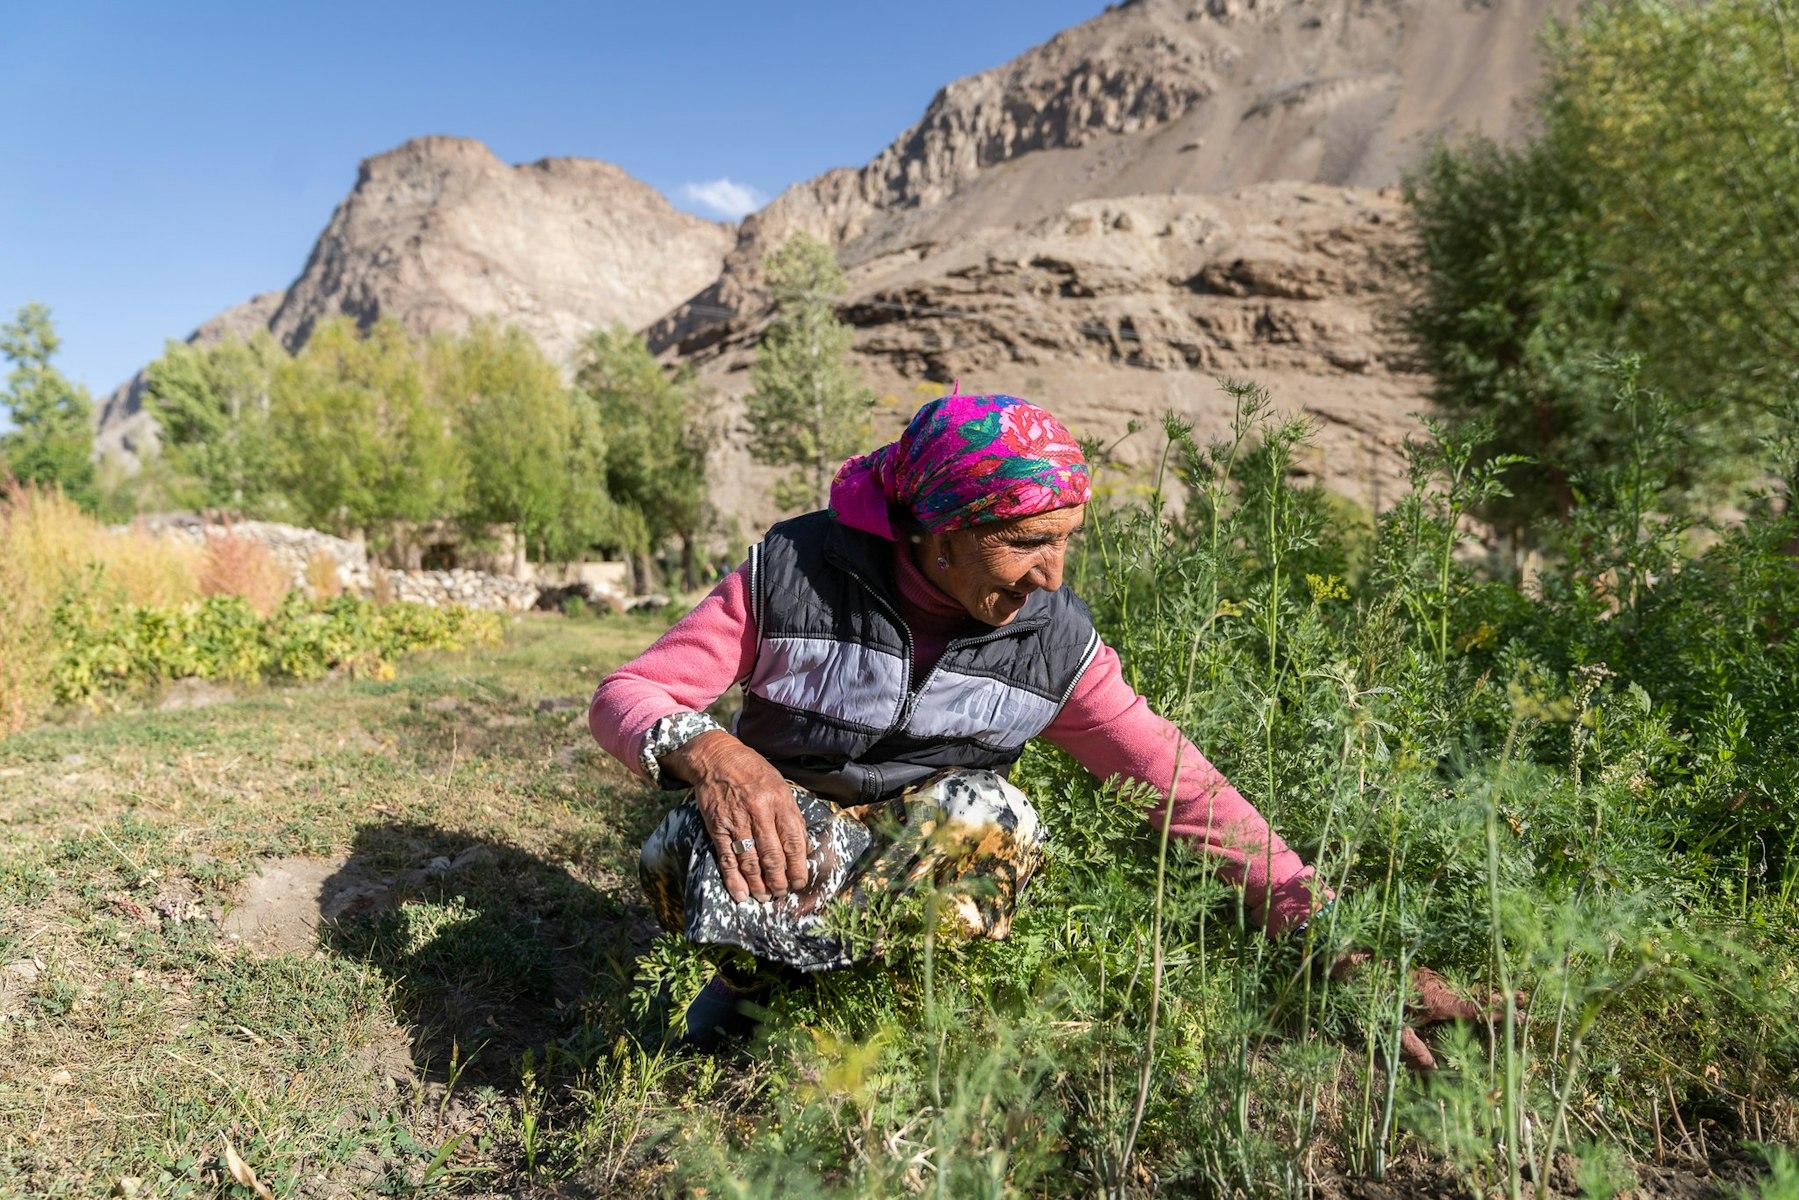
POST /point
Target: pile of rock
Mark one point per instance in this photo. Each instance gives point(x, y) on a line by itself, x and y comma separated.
point(295, 548)
point(471, 589)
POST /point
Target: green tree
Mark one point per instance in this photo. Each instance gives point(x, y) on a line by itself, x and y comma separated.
point(213, 405)
point(657, 445)
point(535, 451)
point(52, 436)
point(805, 408)
point(1656, 215)
point(1682, 121)
point(361, 441)
point(1512, 312)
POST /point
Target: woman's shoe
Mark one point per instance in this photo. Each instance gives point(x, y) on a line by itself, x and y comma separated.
point(727, 1009)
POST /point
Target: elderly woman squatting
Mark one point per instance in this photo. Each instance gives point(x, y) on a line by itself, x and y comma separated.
point(897, 652)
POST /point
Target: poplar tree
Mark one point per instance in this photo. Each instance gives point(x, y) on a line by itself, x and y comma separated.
point(52, 436)
point(656, 450)
point(212, 404)
point(362, 442)
point(806, 409)
point(535, 455)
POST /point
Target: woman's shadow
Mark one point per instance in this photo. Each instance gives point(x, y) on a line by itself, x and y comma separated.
point(491, 951)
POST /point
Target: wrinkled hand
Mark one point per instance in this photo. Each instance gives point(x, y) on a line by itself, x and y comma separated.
point(1431, 1001)
point(739, 796)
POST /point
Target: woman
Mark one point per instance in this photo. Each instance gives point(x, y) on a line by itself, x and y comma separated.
point(897, 652)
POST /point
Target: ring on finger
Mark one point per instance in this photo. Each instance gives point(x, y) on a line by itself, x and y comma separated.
point(743, 845)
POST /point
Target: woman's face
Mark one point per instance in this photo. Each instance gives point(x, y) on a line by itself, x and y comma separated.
point(992, 569)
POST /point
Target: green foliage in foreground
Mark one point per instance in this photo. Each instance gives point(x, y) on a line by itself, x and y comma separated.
point(52, 434)
point(105, 648)
point(1573, 798)
point(1654, 214)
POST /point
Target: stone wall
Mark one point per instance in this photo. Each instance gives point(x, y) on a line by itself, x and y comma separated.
point(295, 549)
point(471, 589)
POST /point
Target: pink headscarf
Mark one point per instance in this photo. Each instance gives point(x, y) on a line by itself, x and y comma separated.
point(964, 460)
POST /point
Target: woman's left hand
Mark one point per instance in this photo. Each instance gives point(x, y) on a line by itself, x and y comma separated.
point(1432, 1001)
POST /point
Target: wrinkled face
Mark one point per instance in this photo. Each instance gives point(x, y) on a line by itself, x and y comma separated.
point(992, 569)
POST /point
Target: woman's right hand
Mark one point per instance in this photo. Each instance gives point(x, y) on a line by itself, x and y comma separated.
point(740, 796)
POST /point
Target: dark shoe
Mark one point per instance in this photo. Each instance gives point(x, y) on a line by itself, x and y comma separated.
point(727, 1009)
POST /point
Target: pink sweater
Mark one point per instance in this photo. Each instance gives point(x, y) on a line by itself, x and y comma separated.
point(1105, 726)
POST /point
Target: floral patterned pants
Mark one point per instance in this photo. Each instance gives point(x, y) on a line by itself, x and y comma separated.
point(968, 836)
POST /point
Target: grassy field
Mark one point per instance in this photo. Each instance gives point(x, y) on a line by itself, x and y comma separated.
point(384, 936)
point(478, 849)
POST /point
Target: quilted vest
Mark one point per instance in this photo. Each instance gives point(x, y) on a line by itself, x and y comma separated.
point(832, 701)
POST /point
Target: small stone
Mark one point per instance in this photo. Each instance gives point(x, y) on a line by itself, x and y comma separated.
point(438, 865)
point(26, 970)
point(128, 1186)
point(61, 1079)
point(478, 855)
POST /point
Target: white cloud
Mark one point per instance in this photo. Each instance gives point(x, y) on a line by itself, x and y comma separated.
point(726, 197)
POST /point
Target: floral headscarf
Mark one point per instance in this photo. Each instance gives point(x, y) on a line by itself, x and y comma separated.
point(964, 460)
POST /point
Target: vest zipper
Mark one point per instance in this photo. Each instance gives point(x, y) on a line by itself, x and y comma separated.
point(911, 697)
point(905, 634)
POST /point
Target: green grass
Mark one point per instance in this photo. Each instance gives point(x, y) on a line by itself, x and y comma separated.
point(140, 1033)
point(1577, 795)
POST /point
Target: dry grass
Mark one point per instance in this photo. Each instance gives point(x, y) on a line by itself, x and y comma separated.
point(381, 585)
point(321, 576)
point(139, 1031)
point(48, 548)
point(48, 545)
point(240, 566)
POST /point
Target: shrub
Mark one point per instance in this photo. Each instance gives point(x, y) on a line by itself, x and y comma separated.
point(50, 548)
point(1651, 214)
point(104, 650)
point(322, 580)
point(243, 567)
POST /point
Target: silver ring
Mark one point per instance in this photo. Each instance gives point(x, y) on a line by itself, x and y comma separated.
point(743, 845)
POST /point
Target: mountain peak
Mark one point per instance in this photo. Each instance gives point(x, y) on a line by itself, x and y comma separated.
point(438, 231)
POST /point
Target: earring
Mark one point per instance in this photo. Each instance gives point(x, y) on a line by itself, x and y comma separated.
point(942, 563)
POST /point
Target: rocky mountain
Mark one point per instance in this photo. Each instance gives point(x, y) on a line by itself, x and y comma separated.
point(440, 231)
point(1120, 309)
point(1097, 223)
point(1159, 97)
point(1169, 192)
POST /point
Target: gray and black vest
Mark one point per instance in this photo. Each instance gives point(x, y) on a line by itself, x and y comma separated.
point(832, 702)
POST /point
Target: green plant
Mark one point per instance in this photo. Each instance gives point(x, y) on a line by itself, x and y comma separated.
point(1501, 784)
point(658, 438)
point(805, 409)
point(105, 648)
point(51, 438)
point(1652, 214)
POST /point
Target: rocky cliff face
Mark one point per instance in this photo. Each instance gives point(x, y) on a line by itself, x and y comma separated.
point(439, 231)
point(1097, 224)
point(1118, 310)
point(1160, 96)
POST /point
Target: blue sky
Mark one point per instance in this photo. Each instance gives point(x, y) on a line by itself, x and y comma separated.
point(160, 161)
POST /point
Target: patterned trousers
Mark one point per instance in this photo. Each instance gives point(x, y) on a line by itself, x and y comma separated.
point(968, 835)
